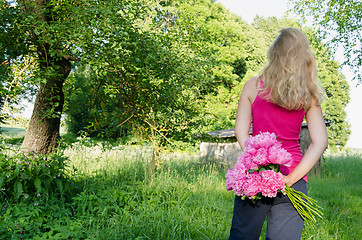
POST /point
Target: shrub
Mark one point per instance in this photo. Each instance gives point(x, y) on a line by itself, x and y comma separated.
point(27, 175)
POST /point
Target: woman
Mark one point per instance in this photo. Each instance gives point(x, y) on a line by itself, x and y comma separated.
point(277, 102)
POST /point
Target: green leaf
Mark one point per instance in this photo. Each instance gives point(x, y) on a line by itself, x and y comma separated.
point(59, 184)
point(17, 169)
point(2, 177)
point(37, 184)
point(18, 189)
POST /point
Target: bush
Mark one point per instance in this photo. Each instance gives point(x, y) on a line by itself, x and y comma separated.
point(28, 175)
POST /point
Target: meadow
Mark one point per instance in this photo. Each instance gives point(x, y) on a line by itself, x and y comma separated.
point(111, 195)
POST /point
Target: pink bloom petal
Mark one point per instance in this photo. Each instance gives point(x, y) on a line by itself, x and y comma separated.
point(261, 157)
point(260, 150)
point(252, 185)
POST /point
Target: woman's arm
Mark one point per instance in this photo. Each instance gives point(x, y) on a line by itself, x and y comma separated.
point(318, 134)
point(243, 114)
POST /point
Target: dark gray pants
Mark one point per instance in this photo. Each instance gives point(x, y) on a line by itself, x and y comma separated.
point(283, 221)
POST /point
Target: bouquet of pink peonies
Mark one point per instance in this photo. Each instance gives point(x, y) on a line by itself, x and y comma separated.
point(257, 174)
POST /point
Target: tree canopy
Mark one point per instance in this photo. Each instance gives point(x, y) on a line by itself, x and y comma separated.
point(337, 23)
point(165, 71)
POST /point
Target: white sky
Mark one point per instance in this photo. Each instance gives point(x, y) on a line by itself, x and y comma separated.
point(247, 10)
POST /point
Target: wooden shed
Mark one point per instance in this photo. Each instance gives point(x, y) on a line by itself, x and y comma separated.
point(226, 150)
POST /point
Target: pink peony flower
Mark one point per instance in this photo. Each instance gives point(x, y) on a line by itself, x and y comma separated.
point(241, 166)
point(262, 140)
point(252, 185)
point(271, 183)
point(249, 150)
point(249, 163)
point(232, 176)
point(239, 186)
point(260, 150)
point(278, 155)
point(261, 157)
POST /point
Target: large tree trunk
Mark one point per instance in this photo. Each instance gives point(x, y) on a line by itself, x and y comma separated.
point(43, 131)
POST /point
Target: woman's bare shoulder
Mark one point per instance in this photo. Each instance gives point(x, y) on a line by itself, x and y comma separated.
point(251, 86)
point(253, 82)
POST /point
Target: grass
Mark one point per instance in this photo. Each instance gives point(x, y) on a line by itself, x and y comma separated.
point(114, 197)
point(339, 192)
point(12, 132)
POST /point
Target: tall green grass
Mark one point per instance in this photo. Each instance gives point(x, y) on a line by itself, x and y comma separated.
point(182, 200)
point(339, 192)
point(114, 197)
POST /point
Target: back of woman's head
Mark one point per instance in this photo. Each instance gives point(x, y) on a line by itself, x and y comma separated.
point(290, 77)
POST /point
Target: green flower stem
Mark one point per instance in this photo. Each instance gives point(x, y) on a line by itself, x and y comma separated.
point(306, 206)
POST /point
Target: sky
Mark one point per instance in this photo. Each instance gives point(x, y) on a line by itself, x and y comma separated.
point(247, 10)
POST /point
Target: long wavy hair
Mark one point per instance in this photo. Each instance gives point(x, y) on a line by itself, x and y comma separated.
point(290, 76)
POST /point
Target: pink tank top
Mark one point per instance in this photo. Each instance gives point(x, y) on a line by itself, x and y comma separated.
point(286, 124)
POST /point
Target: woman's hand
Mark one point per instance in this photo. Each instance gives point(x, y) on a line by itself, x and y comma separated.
point(288, 180)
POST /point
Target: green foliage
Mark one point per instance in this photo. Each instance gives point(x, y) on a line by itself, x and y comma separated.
point(336, 100)
point(26, 177)
point(336, 97)
point(168, 70)
point(113, 198)
point(338, 23)
point(51, 220)
point(148, 83)
point(79, 104)
point(20, 33)
point(222, 38)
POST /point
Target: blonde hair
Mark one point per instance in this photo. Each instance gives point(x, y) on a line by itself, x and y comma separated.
point(290, 76)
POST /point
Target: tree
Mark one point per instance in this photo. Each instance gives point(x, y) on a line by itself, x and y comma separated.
point(159, 70)
point(41, 30)
point(140, 77)
point(336, 97)
point(174, 61)
point(227, 42)
point(54, 34)
point(338, 23)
